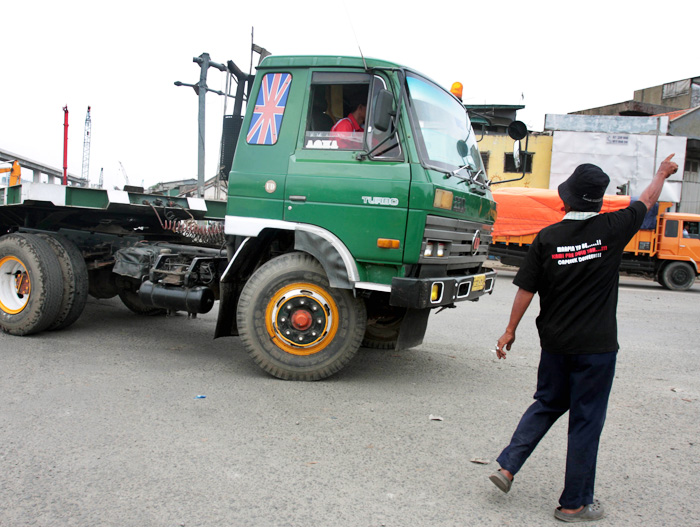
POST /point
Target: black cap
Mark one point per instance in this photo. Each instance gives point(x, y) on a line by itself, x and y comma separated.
point(585, 188)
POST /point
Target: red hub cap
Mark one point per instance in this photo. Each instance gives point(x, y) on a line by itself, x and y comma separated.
point(301, 319)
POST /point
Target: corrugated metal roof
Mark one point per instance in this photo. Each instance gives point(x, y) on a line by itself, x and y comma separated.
point(676, 114)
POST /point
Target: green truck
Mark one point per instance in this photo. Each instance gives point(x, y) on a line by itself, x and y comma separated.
point(329, 240)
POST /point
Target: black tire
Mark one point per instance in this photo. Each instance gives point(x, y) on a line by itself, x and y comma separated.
point(31, 289)
point(382, 333)
point(321, 331)
point(677, 276)
point(74, 277)
point(102, 283)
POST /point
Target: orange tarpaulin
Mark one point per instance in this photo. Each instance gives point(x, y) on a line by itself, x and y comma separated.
point(523, 211)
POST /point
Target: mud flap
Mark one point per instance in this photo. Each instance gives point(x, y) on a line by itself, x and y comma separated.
point(412, 329)
point(226, 319)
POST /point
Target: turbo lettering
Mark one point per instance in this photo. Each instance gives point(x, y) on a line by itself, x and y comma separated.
point(369, 200)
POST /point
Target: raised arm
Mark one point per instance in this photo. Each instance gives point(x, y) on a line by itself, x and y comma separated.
point(650, 195)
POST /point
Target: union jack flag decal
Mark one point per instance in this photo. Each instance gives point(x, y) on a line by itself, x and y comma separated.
point(269, 109)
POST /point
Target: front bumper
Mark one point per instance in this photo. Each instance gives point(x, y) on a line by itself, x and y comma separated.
point(417, 293)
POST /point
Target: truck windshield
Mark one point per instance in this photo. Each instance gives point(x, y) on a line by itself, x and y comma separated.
point(441, 122)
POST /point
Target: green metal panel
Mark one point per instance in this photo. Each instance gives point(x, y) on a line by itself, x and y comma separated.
point(381, 274)
point(14, 195)
point(255, 207)
point(216, 210)
point(358, 201)
point(86, 197)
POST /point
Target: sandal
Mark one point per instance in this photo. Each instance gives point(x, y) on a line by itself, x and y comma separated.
point(591, 512)
point(499, 479)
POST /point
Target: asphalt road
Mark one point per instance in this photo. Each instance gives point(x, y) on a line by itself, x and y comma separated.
point(100, 425)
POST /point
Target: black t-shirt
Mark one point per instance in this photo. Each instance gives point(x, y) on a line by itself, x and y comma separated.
point(574, 266)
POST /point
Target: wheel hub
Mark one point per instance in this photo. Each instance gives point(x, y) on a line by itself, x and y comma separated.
point(22, 283)
point(680, 276)
point(15, 285)
point(300, 318)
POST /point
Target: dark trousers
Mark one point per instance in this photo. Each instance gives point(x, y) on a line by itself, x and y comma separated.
point(580, 384)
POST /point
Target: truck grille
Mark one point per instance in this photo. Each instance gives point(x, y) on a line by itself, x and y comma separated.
point(457, 237)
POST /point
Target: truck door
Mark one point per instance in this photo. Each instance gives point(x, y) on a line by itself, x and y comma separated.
point(330, 183)
point(680, 239)
point(690, 240)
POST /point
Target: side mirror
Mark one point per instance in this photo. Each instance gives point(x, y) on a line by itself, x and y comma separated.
point(517, 130)
point(383, 110)
point(462, 148)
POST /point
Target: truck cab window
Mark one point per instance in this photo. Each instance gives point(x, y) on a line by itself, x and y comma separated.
point(691, 229)
point(337, 114)
point(340, 109)
point(671, 230)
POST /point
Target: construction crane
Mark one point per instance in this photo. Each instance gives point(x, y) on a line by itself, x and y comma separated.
point(126, 178)
point(86, 147)
point(102, 180)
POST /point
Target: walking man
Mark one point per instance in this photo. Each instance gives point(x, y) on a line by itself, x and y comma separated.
point(574, 267)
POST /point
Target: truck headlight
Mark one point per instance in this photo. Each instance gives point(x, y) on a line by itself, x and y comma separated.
point(437, 249)
point(443, 199)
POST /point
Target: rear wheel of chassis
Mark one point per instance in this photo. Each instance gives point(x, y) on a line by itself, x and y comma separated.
point(294, 325)
point(74, 280)
point(31, 290)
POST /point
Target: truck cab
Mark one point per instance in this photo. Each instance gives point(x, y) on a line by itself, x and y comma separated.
point(679, 249)
point(380, 224)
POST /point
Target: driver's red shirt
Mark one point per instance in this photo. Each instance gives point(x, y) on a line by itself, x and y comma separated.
point(349, 124)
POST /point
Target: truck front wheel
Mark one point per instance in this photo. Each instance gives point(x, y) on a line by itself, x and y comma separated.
point(294, 325)
point(677, 276)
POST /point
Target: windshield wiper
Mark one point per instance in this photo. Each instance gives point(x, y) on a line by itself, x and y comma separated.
point(448, 175)
point(473, 178)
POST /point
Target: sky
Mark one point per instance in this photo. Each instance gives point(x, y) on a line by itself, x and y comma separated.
point(122, 59)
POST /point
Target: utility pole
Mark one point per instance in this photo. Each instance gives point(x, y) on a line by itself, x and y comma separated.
point(201, 90)
point(65, 145)
point(86, 148)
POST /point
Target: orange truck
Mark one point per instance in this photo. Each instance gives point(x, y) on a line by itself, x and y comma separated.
point(666, 248)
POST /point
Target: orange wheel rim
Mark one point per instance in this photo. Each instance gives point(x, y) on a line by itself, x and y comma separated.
point(15, 285)
point(301, 319)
